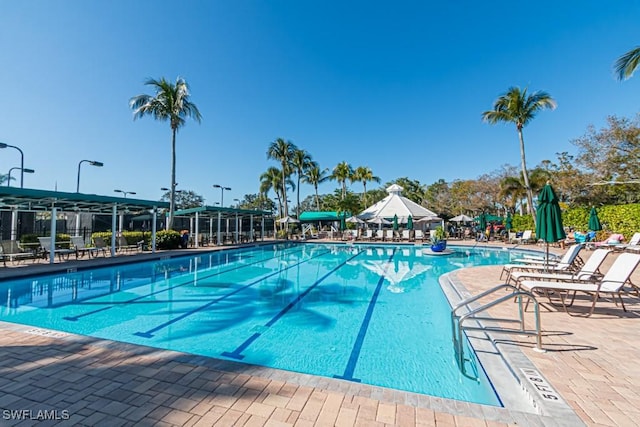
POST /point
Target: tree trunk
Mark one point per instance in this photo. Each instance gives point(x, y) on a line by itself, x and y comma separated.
point(364, 184)
point(172, 199)
point(525, 176)
point(284, 191)
point(298, 197)
point(317, 198)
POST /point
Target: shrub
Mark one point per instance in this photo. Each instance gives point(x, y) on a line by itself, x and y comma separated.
point(168, 239)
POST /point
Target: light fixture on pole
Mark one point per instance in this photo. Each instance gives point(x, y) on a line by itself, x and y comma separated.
point(3, 145)
point(221, 192)
point(25, 170)
point(237, 203)
point(92, 163)
point(124, 193)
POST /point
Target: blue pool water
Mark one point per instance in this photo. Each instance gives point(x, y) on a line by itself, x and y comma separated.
point(363, 313)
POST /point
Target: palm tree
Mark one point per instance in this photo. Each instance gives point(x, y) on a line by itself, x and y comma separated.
point(316, 176)
point(517, 106)
point(272, 180)
point(282, 151)
point(341, 173)
point(364, 174)
point(170, 102)
point(300, 161)
point(626, 65)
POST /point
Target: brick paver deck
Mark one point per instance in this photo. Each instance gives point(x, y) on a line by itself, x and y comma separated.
point(592, 362)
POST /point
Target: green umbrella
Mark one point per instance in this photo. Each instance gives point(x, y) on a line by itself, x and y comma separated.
point(549, 217)
point(343, 224)
point(482, 221)
point(395, 222)
point(410, 223)
point(594, 221)
point(508, 225)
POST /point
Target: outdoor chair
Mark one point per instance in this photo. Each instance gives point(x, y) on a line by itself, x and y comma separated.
point(82, 249)
point(45, 244)
point(123, 245)
point(613, 283)
point(388, 236)
point(12, 251)
point(100, 245)
point(379, 235)
point(368, 235)
point(589, 271)
point(568, 263)
point(527, 237)
point(406, 235)
point(419, 234)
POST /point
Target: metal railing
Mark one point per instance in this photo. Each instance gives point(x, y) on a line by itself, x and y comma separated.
point(459, 321)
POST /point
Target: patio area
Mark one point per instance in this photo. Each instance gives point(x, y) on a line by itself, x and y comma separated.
point(80, 380)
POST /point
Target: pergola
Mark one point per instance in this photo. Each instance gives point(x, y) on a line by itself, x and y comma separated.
point(32, 200)
point(219, 213)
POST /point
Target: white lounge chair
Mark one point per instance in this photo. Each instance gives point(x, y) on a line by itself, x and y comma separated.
point(613, 282)
point(368, 235)
point(12, 251)
point(589, 271)
point(388, 235)
point(569, 262)
point(82, 249)
point(379, 235)
point(526, 237)
point(406, 235)
point(419, 235)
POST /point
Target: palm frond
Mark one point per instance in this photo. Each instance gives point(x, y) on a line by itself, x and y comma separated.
point(626, 65)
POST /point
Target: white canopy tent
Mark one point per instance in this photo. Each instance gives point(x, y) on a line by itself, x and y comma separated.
point(461, 218)
point(396, 204)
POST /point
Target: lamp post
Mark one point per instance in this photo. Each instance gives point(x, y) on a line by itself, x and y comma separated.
point(124, 193)
point(92, 163)
point(3, 145)
point(221, 205)
point(221, 193)
point(24, 170)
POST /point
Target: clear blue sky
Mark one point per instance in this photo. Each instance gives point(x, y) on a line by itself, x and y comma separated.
point(396, 87)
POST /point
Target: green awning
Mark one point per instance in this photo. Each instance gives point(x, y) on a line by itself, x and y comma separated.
point(319, 216)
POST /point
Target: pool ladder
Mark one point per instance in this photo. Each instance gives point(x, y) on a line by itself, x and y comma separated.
point(459, 321)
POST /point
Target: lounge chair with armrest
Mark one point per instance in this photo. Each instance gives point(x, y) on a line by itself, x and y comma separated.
point(12, 251)
point(589, 271)
point(613, 283)
point(568, 263)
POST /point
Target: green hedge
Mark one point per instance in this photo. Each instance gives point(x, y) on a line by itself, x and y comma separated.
point(165, 239)
point(623, 219)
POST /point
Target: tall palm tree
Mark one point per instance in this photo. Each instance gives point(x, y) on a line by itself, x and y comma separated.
point(300, 161)
point(364, 175)
point(272, 180)
point(282, 151)
point(626, 65)
point(316, 176)
point(341, 173)
point(170, 102)
point(518, 107)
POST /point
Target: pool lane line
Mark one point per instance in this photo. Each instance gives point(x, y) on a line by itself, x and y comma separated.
point(120, 303)
point(235, 354)
point(149, 333)
point(357, 346)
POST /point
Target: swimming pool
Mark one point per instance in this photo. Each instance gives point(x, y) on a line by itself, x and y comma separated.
point(361, 313)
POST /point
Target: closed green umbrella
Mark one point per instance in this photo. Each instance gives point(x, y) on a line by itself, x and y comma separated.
point(508, 225)
point(482, 221)
point(594, 221)
point(549, 217)
point(343, 224)
point(395, 222)
point(410, 223)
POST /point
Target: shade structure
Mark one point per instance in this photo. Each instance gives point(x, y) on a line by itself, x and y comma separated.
point(549, 218)
point(508, 224)
point(428, 219)
point(594, 221)
point(287, 220)
point(461, 218)
point(410, 223)
point(395, 204)
point(395, 222)
point(355, 220)
point(379, 221)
